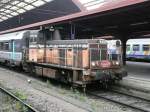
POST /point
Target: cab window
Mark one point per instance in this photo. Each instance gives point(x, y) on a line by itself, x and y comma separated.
point(103, 54)
point(95, 54)
point(6, 46)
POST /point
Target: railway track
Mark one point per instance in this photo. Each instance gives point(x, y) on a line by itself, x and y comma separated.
point(123, 99)
point(19, 103)
point(47, 92)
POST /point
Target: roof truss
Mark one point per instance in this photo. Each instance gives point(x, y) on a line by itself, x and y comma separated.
point(94, 4)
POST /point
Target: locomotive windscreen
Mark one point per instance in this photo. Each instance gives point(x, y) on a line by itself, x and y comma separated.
point(98, 52)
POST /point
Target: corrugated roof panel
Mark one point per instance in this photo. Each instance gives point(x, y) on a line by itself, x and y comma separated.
point(11, 8)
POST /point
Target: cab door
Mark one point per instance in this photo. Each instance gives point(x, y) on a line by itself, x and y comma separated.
point(12, 49)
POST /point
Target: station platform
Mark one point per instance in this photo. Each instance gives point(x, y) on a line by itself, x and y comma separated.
point(138, 79)
point(138, 69)
point(138, 76)
point(137, 83)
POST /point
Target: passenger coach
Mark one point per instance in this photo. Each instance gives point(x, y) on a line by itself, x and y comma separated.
point(138, 49)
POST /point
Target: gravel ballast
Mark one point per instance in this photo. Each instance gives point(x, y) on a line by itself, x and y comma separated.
point(46, 98)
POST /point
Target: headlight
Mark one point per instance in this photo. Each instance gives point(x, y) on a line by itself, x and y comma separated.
point(40, 51)
point(93, 63)
point(117, 63)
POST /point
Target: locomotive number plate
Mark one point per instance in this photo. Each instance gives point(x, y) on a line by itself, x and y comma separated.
point(105, 64)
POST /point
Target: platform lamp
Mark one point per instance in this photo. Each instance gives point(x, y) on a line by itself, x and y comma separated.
point(51, 28)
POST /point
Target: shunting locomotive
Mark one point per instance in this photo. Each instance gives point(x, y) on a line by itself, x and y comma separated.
point(79, 62)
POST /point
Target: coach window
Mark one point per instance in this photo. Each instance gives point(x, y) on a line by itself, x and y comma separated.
point(1, 46)
point(146, 47)
point(136, 47)
point(128, 48)
point(6, 46)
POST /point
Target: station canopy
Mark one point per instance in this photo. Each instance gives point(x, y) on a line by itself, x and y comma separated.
point(11, 8)
point(92, 17)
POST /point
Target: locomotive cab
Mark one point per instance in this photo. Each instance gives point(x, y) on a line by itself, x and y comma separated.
point(104, 65)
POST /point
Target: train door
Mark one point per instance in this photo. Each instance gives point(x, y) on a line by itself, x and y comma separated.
point(25, 50)
point(25, 54)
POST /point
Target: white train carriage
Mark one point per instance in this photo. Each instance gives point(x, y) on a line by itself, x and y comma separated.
point(138, 49)
point(11, 47)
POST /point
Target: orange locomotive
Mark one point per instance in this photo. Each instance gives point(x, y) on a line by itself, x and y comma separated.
point(80, 62)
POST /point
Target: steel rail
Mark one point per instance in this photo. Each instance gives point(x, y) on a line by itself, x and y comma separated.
point(16, 98)
point(118, 102)
point(130, 95)
point(79, 106)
